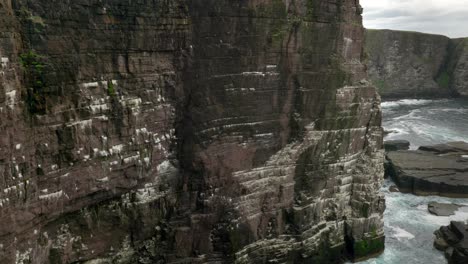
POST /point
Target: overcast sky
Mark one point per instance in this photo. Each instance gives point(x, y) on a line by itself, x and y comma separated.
point(445, 17)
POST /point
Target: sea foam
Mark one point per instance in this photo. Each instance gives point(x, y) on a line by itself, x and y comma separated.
point(399, 103)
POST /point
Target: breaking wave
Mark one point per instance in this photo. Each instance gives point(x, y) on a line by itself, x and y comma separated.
point(426, 122)
point(409, 227)
point(408, 102)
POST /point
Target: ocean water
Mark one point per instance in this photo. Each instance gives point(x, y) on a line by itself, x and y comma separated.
point(426, 122)
point(409, 227)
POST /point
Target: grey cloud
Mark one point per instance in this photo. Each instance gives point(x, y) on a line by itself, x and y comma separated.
point(448, 21)
point(386, 14)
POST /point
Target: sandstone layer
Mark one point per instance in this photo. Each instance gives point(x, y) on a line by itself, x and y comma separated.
point(414, 65)
point(183, 131)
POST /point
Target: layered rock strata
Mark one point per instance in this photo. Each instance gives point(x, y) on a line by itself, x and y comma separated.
point(414, 65)
point(187, 132)
point(431, 170)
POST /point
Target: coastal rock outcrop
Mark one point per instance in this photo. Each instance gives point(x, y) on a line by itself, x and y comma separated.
point(417, 65)
point(187, 131)
point(442, 209)
point(394, 145)
point(431, 170)
point(453, 240)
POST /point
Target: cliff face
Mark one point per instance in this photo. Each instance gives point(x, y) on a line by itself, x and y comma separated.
point(194, 131)
point(412, 65)
point(409, 64)
point(458, 66)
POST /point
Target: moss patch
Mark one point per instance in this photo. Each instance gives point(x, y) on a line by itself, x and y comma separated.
point(110, 88)
point(276, 9)
point(381, 85)
point(368, 247)
point(37, 20)
point(444, 80)
point(310, 10)
point(34, 66)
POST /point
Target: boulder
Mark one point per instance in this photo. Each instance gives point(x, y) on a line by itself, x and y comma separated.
point(453, 240)
point(442, 209)
point(388, 132)
point(394, 145)
point(431, 170)
point(394, 188)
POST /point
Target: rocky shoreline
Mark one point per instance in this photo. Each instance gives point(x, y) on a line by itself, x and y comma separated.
point(434, 170)
point(453, 240)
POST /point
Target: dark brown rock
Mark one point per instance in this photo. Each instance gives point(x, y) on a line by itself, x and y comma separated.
point(187, 132)
point(441, 244)
point(453, 239)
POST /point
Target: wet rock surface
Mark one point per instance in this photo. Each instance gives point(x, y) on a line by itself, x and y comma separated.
point(187, 132)
point(431, 170)
point(394, 188)
point(453, 240)
point(394, 145)
point(450, 148)
point(442, 209)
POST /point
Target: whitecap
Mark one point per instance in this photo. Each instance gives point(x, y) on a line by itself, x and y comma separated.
point(400, 233)
point(391, 104)
point(411, 115)
point(422, 207)
point(449, 110)
point(460, 215)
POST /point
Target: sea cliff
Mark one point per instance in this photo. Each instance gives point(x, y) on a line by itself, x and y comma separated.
point(185, 131)
point(406, 64)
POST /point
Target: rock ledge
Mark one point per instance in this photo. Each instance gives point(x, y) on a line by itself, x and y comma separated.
point(431, 170)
